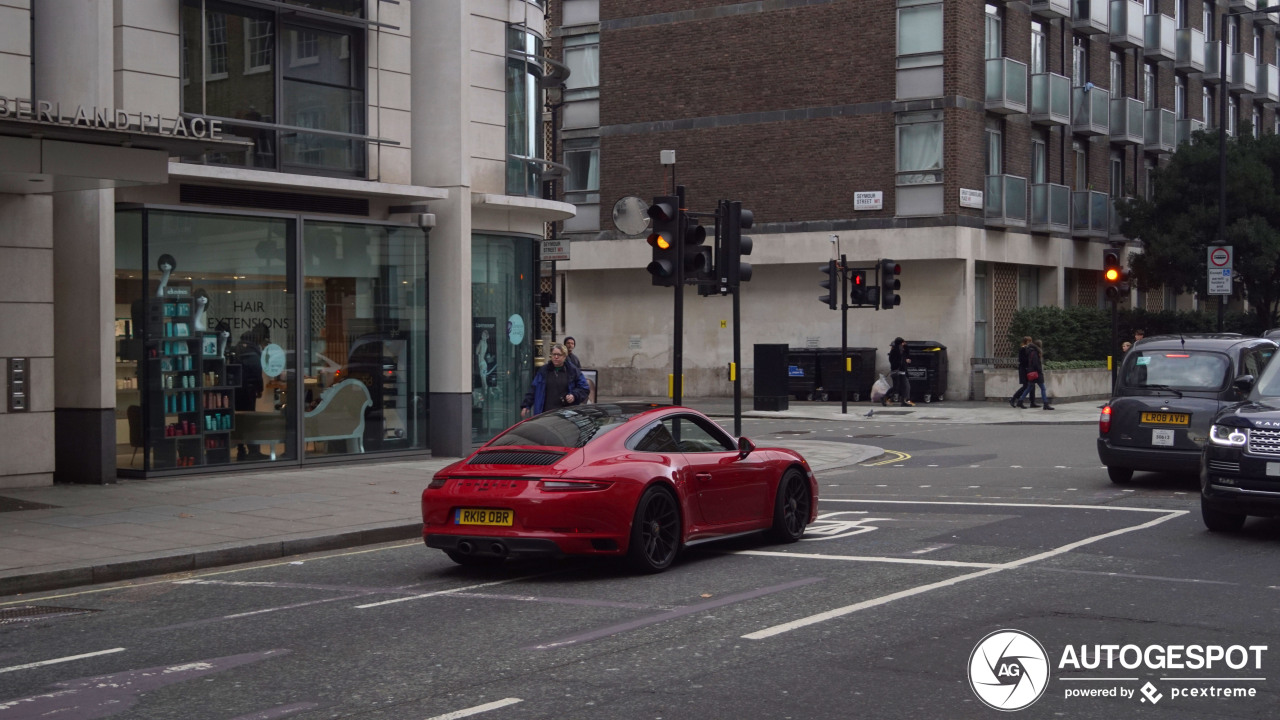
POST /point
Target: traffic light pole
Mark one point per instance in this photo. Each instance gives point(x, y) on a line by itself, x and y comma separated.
point(844, 333)
point(1115, 331)
point(677, 342)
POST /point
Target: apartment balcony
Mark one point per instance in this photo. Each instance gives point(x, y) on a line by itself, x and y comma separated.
point(1126, 23)
point(1268, 19)
point(1050, 208)
point(1190, 51)
point(1006, 201)
point(1006, 86)
point(1244, 73)
point(1161, 131)
point(1126, 121)
point(1091, 17)
point(1090, 111)
point(1241, 5)
point(1186, 128)
point(1050, 99)
point(1268, 84)
point(1161, 38)
point(1212, 55)
point(1090, 214)
point(1051, 9)
point(1113, 217)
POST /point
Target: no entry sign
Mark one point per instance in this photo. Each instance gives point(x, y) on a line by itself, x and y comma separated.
point(1219, 267)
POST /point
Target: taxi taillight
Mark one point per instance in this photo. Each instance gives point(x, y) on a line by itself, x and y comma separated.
point(1104, 420)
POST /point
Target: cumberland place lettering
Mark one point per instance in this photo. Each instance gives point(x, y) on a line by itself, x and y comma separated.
point(42, 111)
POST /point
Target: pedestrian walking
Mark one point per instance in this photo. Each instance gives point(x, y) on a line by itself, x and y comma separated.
point(571, 358)
point(1024, 357)
point(1035, 373)
point(555, 385)
point(898, 362)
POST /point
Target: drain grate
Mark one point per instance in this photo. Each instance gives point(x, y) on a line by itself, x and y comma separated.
point(27, 613)
point(8, 504)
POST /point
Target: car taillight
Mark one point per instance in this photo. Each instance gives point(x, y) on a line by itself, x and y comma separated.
point(1104, 420)
point(437, 483)
point(572, 485)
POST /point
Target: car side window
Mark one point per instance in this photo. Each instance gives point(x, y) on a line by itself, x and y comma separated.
point(697, 437)
point(1249, 363)
point(657, 439)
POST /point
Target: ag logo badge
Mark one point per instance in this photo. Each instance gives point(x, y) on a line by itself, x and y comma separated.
point(1008, 670)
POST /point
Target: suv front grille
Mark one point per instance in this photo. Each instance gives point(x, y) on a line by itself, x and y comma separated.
point(1264, 442)
point(1224, 466)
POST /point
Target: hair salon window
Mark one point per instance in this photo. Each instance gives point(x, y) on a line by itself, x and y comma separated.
point(524, 112)
point(270, 75)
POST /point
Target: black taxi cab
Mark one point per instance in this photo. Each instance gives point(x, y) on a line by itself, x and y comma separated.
point(1168, 390)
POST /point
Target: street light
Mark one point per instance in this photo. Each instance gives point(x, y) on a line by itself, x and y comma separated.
point(1222, 131)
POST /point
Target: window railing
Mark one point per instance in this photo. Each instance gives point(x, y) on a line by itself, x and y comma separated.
point(1090, 16)
point(1126, 121)
point(1050, 208)
point(1244, 73)
point(1186, 128)
point(1090, 213)
point(1161, 131)
point(1126, 23)
point(1050, 99)
point(1090, 111)
point(1190, 55)
point(1006, 201)
point(1006, 86)
point(1161, 38)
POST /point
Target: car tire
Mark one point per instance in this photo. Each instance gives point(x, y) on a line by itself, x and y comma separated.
point(791, 507)
point(1220, 520)
point(655, 531)
point(1120, 476)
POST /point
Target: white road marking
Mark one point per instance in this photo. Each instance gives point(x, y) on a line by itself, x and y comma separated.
point(859, 558)
point(477, 709)
point(55, 661)
point(911, 592)
point(445, 592)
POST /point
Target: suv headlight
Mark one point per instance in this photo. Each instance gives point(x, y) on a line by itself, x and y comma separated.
point(1229, 436)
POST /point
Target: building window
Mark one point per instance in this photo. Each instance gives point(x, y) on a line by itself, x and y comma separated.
point(1180, 13)
point(524, 112)
point(1179, 96)
point(1039, 158)
point(1117, 173)
point(1207, 20)
point(994, 33)
point(981, 310)
point(1207, 105)
point(1116, 65)
point(583, 164)
point(1233, 116)
point(1149, 84)
point(919, 33)
point(1257, 123)
point(994, 147)
point(320, 85)
point(1148, 178)
point(259, 40)
point(1081, 165)
point(1040, 49)
point(582, 57)
point(1028, 287)
point(1079, 60)
point(919, 148)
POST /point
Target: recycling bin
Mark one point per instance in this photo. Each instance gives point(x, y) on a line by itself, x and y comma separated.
point(861, 371)
point(927, 370)
point(802, 373)
point(770, 378)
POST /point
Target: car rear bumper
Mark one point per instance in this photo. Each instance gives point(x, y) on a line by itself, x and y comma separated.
point(520, 547)
point(1135, 458)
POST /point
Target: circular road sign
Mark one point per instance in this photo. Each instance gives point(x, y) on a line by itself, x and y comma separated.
point(1220, 257)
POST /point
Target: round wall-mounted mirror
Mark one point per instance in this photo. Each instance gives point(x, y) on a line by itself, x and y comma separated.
point(631, 215)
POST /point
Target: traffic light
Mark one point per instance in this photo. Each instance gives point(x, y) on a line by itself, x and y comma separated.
point(699, 266)
point(890, 284)
point(830, 283)
point(858, 287)
point(664, 214)
point(1114, 277)
point(736, 244)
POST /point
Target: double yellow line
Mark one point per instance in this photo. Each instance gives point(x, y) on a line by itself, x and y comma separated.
point(897, 457)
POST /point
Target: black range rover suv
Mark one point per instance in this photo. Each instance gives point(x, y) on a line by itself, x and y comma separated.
point(1240, 465)
point(1167, 392)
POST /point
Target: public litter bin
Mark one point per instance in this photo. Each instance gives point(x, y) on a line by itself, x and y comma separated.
point(927, 370)
point(802, 373)
point(770, 378)
point(854, 379)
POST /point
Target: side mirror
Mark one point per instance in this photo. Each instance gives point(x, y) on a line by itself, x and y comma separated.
point(1244, 383)
point(745, 447)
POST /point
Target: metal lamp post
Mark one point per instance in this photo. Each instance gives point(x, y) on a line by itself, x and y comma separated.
point(1222, 133)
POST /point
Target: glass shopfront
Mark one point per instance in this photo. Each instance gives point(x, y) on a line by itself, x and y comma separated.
point(502, 331)
point(224, 319)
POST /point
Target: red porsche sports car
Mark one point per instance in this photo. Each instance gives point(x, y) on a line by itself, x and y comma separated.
point(636, 480)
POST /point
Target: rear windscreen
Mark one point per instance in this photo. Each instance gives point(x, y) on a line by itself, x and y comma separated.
point(563, 427)
point(1179, 369)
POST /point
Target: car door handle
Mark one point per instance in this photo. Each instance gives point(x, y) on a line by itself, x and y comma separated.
point(702, 476)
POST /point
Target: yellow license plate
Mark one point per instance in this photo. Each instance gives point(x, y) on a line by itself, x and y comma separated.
point(1155, 418)
point(483, 516)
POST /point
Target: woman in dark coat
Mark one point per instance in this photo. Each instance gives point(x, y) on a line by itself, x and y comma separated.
point(1023, 358)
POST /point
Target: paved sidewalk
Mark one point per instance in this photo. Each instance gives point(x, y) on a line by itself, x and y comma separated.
point(71, 535)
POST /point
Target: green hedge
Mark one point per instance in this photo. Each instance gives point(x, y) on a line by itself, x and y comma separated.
point(1081, 333)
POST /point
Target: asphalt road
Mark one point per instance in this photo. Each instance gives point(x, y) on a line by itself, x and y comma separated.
point(956, 533)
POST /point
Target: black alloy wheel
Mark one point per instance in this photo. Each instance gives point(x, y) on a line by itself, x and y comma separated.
point(1220, 520)
point(655, 531)
point(1120, 476)
point(792, 507)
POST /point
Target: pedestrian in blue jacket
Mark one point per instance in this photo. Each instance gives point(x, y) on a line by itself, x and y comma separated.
point(555, 385)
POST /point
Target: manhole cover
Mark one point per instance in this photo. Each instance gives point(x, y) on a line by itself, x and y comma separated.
point(8, 504)
point(27, 613)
